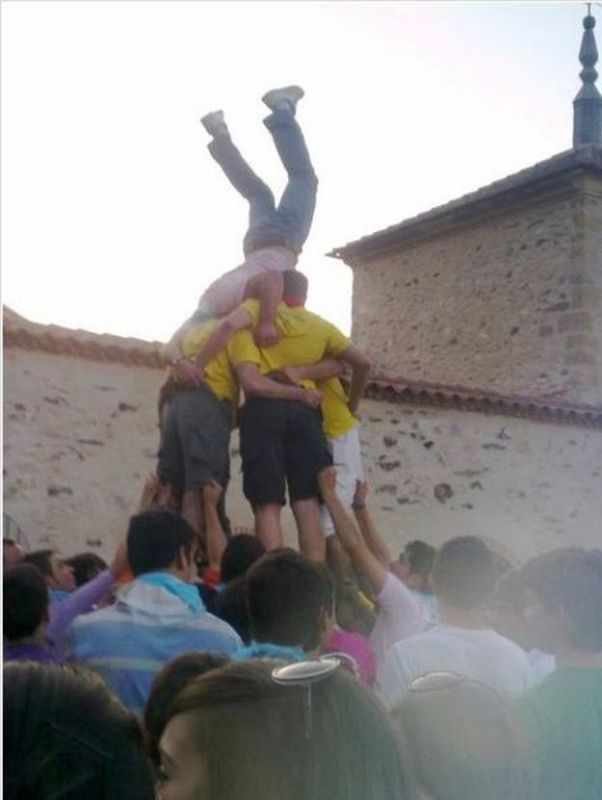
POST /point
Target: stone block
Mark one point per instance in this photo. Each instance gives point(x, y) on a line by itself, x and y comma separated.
point(579, 357)
point(581, 341)
point(575, 321)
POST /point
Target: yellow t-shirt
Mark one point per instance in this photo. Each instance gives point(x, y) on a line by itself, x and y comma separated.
point(306, 338)
point(219, 375)
point(337, 419)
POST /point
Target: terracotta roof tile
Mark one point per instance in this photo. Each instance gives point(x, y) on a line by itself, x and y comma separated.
point(545, 409)
point(19, 332)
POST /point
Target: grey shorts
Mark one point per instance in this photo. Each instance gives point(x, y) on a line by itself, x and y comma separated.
point(195, 439)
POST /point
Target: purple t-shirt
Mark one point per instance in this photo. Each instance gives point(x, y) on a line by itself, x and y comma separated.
point(62, 612)
point(29, 652)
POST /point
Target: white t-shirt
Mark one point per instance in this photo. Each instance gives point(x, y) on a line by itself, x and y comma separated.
point(399, 616)
point(483, 655)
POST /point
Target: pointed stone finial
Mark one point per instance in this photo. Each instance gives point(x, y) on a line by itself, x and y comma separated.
point(587, 116)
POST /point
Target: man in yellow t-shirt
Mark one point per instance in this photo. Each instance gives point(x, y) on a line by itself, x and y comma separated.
point(196, 424)
point(281, 443)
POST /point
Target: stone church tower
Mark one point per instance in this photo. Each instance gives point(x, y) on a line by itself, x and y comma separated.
point(492, 303)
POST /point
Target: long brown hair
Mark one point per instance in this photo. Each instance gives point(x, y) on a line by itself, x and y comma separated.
point(252, 737)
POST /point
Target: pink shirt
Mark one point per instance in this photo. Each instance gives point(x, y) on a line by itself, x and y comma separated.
point(399, 616)
point(356, 646)
point(227, 292)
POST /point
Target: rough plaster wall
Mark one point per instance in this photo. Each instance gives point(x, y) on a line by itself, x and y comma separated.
point(79, 437)
point(526, 486)
point(512, 304)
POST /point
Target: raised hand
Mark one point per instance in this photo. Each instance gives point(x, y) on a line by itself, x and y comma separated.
point(327, 480)
point(361, 492)
point(212, 492)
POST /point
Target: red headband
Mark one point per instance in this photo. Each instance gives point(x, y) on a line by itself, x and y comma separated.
point(292, 300)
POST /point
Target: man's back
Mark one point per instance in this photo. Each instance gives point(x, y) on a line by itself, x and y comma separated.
point(128, 643)
point(480, 654)
point(306, 338)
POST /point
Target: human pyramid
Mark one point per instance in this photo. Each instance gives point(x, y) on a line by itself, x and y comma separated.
point(251, 329)
point(206, 664)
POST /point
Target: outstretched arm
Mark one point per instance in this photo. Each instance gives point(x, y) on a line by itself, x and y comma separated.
point(254, 383)
point(214, 533)
point(218, 338)
point(317, 370)
point(349, 535)
point(267, 288)
point(360, 369)
point(186, 370)
point(373, 539)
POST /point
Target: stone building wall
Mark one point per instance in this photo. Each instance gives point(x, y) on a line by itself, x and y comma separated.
point(512, 304)
point(80, 436)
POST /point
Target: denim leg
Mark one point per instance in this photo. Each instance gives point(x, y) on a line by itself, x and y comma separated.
point(262, 211)
point(296, 208)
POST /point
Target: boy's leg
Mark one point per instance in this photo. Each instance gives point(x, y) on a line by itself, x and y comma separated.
point(296, 208)
point(307, 454)
point(244, 180)
point(311, 538)
point(262, 424)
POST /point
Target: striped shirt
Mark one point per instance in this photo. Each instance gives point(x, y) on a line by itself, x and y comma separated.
point(130, 642)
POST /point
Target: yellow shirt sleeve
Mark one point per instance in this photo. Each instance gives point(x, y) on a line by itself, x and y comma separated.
point(337, 342)
point(242, 349)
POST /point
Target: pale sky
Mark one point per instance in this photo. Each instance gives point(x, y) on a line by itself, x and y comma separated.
point(114, 216)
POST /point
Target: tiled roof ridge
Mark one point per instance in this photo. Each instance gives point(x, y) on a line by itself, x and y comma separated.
point(544, 408)
point(20, 333)
point(590, 155)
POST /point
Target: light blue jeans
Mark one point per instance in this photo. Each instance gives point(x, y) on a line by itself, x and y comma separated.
point(287, 224)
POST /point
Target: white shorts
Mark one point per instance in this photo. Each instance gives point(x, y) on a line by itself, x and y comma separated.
point(347, 459)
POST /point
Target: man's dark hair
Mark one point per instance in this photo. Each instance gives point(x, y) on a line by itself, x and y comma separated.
point(25, 601)
point(287, 595)
point(420, 557)
point(570, 579)
point(154, 538)
point(40, 559)
point(294, 283)
point(242, 550)
point(8, 542)
point(464, 572)
point(69, 737)
point(86, 566)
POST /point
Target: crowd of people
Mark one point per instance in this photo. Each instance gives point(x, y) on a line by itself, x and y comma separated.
point(205, 662)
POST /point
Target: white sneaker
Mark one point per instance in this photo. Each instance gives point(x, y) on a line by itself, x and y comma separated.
point(277, 99)
point(215, 124)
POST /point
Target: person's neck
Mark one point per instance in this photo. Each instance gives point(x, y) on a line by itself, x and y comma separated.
point(569, 657)
point(174, 572)
point(461, 617)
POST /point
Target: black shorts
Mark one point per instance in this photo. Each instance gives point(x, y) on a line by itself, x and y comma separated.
point(195, 439)
point(281, 442)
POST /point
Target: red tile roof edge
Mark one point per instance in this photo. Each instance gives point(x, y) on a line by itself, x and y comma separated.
point(22, 334)
point(542, 409)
